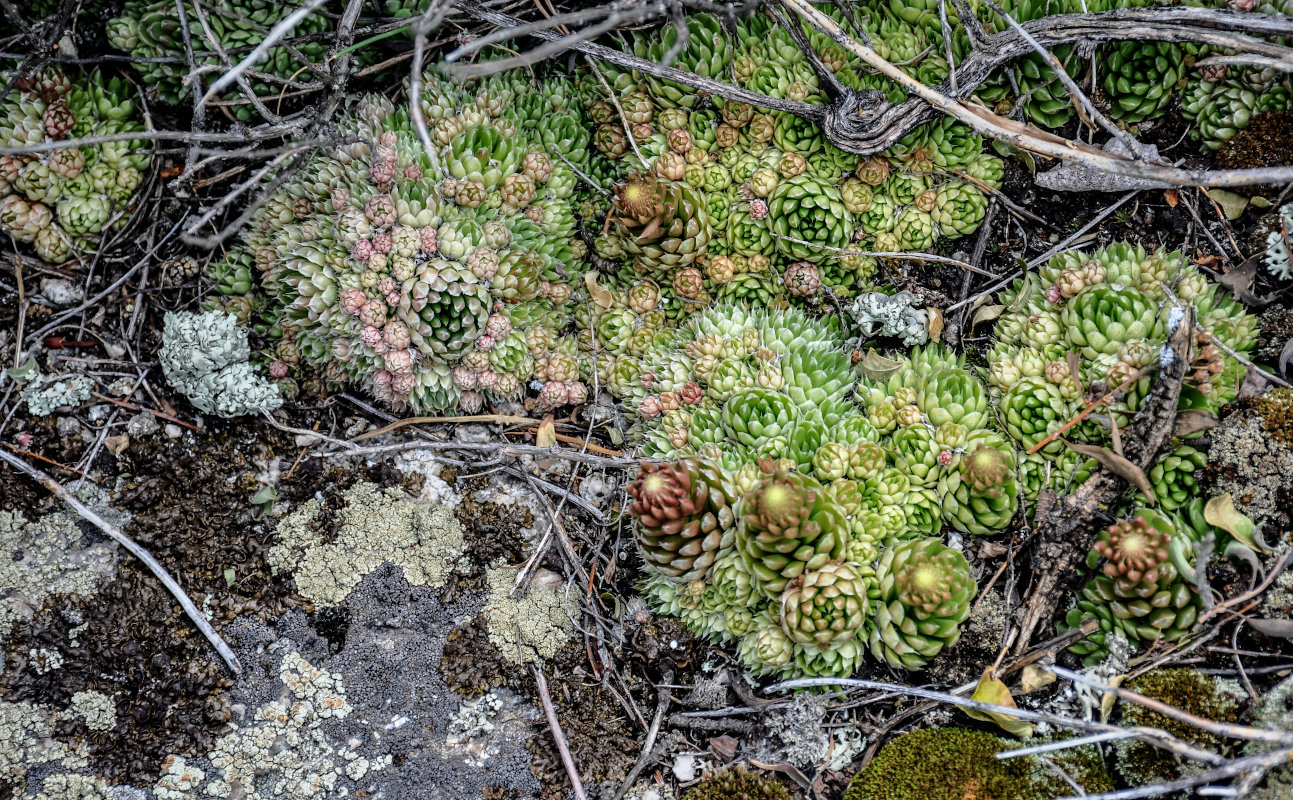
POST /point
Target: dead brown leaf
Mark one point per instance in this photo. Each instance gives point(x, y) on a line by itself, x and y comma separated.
point(1118, 465)
point(935, 323)
point(1172, 197)
point(600, 294)
point(546, 436)
point(1194, 420)
point(1240, 281)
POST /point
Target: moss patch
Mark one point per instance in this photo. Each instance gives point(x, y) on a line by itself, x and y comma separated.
point(960, 764)
point(737, 784)
point(1185, 689)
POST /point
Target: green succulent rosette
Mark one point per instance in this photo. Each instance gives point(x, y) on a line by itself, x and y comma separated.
point(979, 487)
point(923, 591)
point(755, 415)
point(1139, 594)
point(804, 208)
point(1140, 78)
point(826, 606)
point(789, 525)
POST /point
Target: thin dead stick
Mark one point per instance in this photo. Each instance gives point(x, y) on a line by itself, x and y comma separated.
point(1219, 728)
point(563, 749)
point(1092, 406)
point(133, 407)
point(645, 758)
point(500, 419)
point(1246, 596)
point(59, 491)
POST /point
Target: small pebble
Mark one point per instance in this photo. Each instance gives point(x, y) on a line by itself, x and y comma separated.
point(142, 424)
point(68, 426)
point(173, 431)
point(60, 292)
point(684, 768)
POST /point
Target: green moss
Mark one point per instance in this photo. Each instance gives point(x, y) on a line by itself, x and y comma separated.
point(737, 784)
point(960, 764)
point(1185, 689)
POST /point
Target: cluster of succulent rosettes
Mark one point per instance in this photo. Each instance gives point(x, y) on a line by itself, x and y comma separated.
point(151, 32)
point(1105, 312)
point(431, 279)
point(833, 473)
point(1143, 593)
point(59, 201)
point(731, 201)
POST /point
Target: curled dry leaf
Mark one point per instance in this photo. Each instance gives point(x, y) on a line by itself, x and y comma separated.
point(1221, 511)
point(600, 294)
point(985, 314)
point(1118, 465)
point(992, 690)
point(1034, 678)
point(935, 323)
point(547, 433)
point(1286, 355)
point(1193, 421)
point(877, 367)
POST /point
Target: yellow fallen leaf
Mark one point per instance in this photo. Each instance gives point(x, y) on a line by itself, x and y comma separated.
point(935, 323)
point(600, 294)
point(1034, 678)
point(992, 690)
point(547, 433)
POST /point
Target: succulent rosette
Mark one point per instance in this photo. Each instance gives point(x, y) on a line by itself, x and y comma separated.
point(1139, 594)
point(64, 201)
point(923, 592)
point(789, 525)
point(824, 607)
point(684, 513)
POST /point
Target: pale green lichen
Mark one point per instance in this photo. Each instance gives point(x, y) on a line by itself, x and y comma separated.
point(283, 751)
point(206, 358)
point(27, 743)
point(45, 394)
point(1274, 712)
point(530, 627)
point(376, 526)
point(45, 557)
point(96, 708)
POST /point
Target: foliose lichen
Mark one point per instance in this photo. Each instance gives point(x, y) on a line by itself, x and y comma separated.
point(46, 393)
point(45, 557)
point(1274, 712)
point(27, 743)
point(899, 315)
point(1277, 246)
point(96, 708)
point(375, 526)
point(206, 358)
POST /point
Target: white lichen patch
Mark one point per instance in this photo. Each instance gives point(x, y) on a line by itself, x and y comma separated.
point(531, 627)
point(377, 525)
point(96, 708)
point(470, 729)
point(45, 557)
point(283, 751)
point(71, 786)
point(26, 742)
point(44, 660)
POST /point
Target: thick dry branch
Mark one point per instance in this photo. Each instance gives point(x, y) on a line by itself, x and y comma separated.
point(866, 122)
point(1068, 531)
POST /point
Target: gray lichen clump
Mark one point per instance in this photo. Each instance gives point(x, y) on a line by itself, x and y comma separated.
point(96, 708)
point(529, 627)
point(376, 526)
point(27, 743)
point(898, 315)
point(206, 357)
point(45, 557)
